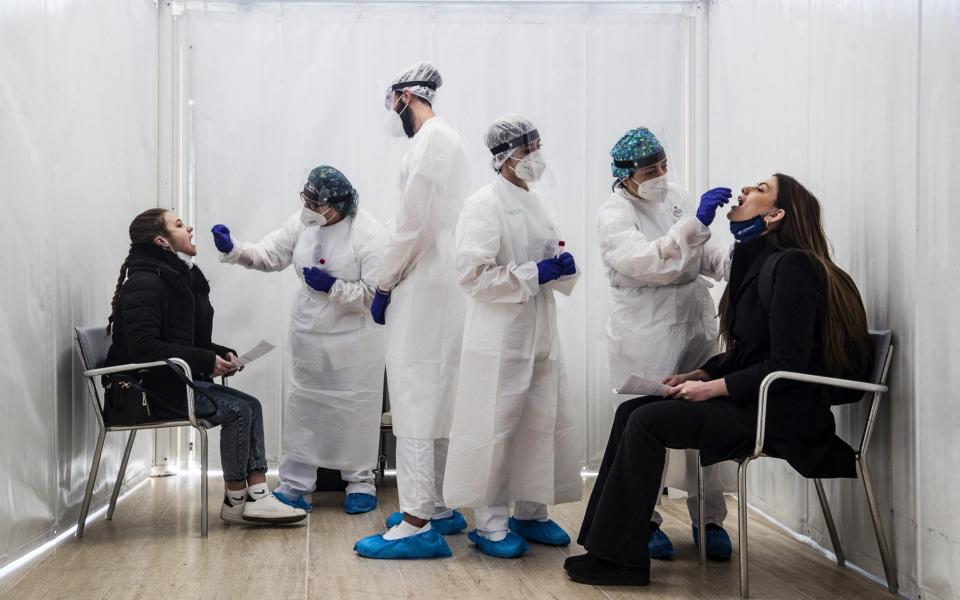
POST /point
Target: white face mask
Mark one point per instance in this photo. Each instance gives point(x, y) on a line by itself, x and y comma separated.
point(312, 219)
point(652, 189)
point(393, 124)
point(531, 167)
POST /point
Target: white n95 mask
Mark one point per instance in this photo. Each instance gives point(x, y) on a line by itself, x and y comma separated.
point(653, 189)
point(530, 167)
point(312, 219)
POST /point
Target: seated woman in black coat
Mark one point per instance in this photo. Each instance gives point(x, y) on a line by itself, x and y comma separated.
point(813, 321)
point(161, 310)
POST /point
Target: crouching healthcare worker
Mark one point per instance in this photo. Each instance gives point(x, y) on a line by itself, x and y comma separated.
point(335, 382)
point(662, 318)
point(513, 427)
point(418, 300)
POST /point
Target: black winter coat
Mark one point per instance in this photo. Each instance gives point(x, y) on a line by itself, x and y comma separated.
point(800, 425)
point(164, 312)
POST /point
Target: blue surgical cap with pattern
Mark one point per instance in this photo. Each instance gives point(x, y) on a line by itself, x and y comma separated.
point(636, 145)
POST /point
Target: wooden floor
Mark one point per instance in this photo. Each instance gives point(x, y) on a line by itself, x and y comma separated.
point(152, 549)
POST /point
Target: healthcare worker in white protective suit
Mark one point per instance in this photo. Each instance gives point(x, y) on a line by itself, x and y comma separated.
point(424, 321)
point(335, 382)
point(662, 318)
point(513, 427)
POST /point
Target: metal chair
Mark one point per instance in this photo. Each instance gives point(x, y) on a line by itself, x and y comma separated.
point(881, 341)
point(93, 344)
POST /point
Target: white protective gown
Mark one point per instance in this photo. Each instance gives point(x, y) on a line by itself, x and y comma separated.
point(513, 428)
point(662, 317)
point(424, 321)
point(335, 382)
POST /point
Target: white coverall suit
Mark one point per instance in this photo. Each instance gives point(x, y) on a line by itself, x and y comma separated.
point(513, 433)
point(335, 380)
point(424, 320)
point(662, 318)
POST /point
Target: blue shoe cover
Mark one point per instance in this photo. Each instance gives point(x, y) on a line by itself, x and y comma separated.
point(355, 504)
point(660, 546)
point(511, 546)
point(294, 501)
point(541, 532)
point(718, 542)
point(428, 544)
point(455, 523)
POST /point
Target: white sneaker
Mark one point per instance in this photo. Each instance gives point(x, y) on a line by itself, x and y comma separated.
point(232, 513)
point(270, 510)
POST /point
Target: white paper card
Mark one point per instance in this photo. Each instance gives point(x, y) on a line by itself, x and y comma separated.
point(264, 347)
point(636, 385)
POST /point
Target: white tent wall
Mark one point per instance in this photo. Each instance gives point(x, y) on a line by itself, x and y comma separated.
point(277, 88)
point(78, 128)
point(857, 99)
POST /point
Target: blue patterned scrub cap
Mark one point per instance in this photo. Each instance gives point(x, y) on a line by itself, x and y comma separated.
point(636, 149)
point(327, 184)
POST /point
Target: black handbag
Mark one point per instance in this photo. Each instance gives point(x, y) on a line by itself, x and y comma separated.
point(129, 402)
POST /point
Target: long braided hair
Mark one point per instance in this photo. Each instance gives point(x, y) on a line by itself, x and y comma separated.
point(144, 227)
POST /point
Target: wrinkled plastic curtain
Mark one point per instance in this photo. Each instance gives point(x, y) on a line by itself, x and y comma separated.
point(279, 88)
point(857, 99)
point(78, 124)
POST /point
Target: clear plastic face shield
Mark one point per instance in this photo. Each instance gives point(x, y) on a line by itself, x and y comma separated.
point(523, 158)
point(398, 121)
point(316, 211)
point(650, 178)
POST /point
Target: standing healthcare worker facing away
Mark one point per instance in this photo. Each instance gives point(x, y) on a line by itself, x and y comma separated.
point(513, 427)
point(335, 393)
point(424, 321)
point(662, 318)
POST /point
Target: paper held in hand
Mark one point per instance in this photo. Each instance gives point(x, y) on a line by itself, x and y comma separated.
point(636, 385)
point(256, 352)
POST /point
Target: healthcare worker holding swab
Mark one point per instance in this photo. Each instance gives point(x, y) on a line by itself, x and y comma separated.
point(419, 302)
point(662, 318)
point(513, 436)
point(335, 381)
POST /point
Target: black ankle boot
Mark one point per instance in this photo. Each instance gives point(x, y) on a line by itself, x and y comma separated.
point(593, 570)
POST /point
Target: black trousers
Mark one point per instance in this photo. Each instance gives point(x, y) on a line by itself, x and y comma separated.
point(616, 526)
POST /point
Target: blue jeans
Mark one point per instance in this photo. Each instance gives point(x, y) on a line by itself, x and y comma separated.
point(241, 435)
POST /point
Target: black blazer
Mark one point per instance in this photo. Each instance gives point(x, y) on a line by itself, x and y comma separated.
point(800, 426)
point(164, 311)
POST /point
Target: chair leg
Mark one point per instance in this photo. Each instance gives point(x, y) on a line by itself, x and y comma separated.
point(204, 516)
point(742, 514)
point(889, 568)
point(121, 474)
point(831, 526)
point(91, 481)
point(701, 533)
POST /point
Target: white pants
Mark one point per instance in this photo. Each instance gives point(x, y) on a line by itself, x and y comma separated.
point(714, 505)
point(420, 465)
point(492, 521)
point(300, 479)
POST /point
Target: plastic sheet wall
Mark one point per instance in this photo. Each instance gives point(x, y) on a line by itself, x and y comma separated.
point(857, 99)
point(277, 88)
point(78, 127)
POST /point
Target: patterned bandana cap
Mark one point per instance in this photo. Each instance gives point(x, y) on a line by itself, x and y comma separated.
point(326, 184)
point(637, 148)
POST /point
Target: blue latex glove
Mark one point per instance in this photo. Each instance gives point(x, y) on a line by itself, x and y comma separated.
point(710, 201)
point(548, 270)
point(378, 309)
point(221, 238)
point(567, 265)
point(318, 279)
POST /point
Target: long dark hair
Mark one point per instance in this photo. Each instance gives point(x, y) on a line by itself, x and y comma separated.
point(144, 227)
point(846, 344)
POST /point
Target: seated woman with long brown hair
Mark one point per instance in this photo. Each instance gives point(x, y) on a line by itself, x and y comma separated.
point(813, 321)
point(161, 309)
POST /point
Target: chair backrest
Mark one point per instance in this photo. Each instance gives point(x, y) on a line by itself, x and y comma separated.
point(881, 341)
point(94, 344)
